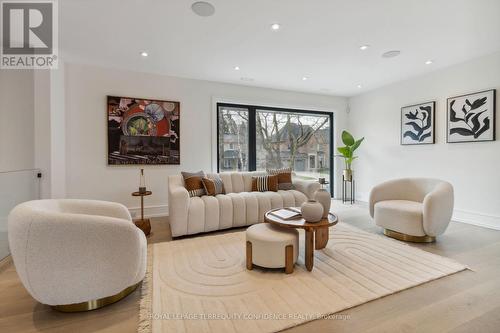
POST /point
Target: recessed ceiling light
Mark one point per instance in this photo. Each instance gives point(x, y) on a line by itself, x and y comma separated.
point(359, 86)
point(144, 54)
point(364, 47)
point(275, 26)
point(202, 8)
point(391, 54)
point(236, 68)
point(247, 79)
point(428, 62)
point(304, 78)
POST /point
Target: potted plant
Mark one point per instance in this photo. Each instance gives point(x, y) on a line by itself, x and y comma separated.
point(347, 152)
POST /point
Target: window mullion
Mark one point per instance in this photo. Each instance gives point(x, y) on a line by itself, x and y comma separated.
point(252, 135)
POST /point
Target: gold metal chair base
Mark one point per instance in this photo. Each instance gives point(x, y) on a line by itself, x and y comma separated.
point(409, 238)
point(97, 303)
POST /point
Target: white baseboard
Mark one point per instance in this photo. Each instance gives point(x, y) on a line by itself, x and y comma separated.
point(476, 218)
point(468, 217)
point(149, 211)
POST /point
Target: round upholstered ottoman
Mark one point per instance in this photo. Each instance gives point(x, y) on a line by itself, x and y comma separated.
point(272, 246)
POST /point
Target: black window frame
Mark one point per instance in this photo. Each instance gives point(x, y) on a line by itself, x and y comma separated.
point(252, 142)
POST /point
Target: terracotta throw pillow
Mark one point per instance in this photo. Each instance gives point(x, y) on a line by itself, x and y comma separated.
point(265, 183)
point(213, 185)
point(284, 177)
point(193, 183)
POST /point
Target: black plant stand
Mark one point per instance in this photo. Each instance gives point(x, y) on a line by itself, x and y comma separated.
point(348, 187)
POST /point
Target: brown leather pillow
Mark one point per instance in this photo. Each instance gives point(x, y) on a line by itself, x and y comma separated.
point(193, 183)
point(284, 178)
point(213, 185)
point(265, 183)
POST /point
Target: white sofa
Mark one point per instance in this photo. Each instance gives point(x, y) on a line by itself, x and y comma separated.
point(238, 207)
point(76, 251)
point(412, 209)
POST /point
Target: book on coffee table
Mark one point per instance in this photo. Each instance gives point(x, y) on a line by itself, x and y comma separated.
point(287, 213)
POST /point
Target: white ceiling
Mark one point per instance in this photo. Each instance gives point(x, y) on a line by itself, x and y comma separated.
point(319, 39)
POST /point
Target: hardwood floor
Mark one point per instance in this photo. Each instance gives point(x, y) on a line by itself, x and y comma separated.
point(463, 302)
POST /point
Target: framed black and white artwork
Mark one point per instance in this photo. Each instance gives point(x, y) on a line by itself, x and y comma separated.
point(417, 124)
point(471, 118)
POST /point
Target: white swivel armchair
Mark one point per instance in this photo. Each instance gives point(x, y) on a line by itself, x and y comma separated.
point(76, 255)
point(412, 209)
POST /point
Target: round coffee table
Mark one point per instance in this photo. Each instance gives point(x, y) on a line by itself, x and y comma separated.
point(316, 233)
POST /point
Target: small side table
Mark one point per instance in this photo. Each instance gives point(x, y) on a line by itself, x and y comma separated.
point(143, 224)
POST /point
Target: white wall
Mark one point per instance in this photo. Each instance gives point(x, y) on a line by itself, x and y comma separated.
point(473, 168)
point(16, 120)
point(50, 131)
point(88, 175)
point(16, 143)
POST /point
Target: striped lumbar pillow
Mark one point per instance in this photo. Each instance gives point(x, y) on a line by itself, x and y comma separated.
point(284, 177)
point(265, 183)
point(193, 183)
point(213, 185)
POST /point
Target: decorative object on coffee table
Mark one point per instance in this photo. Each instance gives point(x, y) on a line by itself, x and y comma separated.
point(312, 211)
point(143, 224)
point(323, 197)
point(316, 233)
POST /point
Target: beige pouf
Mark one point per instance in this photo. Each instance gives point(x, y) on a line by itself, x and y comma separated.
point(272, 247)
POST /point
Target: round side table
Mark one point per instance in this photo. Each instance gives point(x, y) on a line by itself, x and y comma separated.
point(143, 224)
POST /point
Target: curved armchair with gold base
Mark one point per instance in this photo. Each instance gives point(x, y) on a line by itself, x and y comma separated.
point(412, 209)
point(76, 255)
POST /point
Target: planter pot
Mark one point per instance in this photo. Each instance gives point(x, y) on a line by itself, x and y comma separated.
point(312, 211)
point(347, 175)
point(323, 197)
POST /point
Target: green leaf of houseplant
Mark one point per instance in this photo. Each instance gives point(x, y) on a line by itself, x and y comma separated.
point(347, 138)
point(344, 151)
point(357, 144)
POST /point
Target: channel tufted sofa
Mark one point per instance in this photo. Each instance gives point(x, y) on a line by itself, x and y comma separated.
point(238, 207)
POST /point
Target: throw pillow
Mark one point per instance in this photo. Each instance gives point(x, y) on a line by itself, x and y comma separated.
point(213, 185)
point(265, 183)
point(193, 183)
point(284, 177)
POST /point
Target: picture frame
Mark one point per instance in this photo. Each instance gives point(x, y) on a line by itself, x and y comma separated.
point(418, 122)
point(471, 117)
point(142, 131)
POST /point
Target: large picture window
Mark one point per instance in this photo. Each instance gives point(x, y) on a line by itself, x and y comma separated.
point(259, 138)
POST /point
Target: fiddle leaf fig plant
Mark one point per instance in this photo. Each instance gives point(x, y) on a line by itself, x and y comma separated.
point(351, 145)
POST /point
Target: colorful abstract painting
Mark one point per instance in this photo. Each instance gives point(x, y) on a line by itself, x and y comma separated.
point(143, 131)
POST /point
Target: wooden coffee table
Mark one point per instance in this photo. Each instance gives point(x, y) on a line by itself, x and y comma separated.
point(316, 233)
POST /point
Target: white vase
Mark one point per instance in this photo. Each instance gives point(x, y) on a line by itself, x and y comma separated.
point(312, 211)
point(323, 197)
